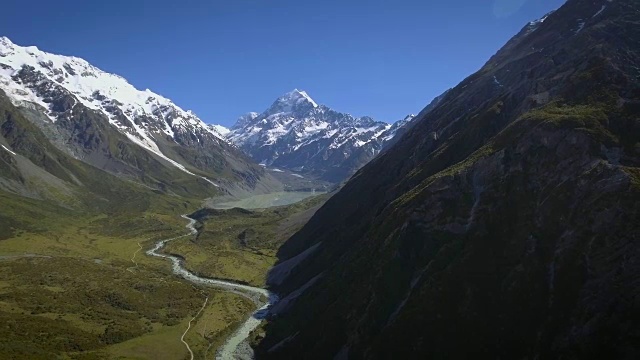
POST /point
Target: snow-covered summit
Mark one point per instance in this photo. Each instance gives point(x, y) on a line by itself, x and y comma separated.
point(295, 101)
point(298, 134)
point(296, 116)
point(298, 96)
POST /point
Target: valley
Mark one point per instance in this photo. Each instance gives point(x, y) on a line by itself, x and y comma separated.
point(500, 221)
point(89, 190)
point(102, 284)
point(262, 298)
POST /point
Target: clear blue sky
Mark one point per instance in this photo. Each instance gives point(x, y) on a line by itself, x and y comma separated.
point(221, 59)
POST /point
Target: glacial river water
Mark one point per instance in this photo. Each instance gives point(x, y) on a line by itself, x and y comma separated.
point(236, 346)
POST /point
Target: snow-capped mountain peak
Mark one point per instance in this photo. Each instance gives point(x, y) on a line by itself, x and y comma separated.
point(59, 83)
point(90, 84)
point(300, 95)
point(298, 134)
point(295, 101)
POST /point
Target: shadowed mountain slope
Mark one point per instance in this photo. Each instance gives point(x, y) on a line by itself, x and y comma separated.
point(503, 224)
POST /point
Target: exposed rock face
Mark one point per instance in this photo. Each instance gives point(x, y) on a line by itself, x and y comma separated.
point(509, 232)
point(296, 133)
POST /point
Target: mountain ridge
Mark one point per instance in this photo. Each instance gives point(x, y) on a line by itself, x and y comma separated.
point(496, 227)
point(79, 105)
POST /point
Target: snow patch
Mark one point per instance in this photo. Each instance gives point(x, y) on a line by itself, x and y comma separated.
point(219, 131)
point(152, 147)
point(600, 11)
point(209, 181)
point(534, 25)
point(4, 147)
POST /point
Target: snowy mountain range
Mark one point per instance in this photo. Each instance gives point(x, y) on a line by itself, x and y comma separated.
point(296, 133)
point(74, 98)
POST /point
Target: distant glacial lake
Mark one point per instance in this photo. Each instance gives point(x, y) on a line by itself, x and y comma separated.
point(267, 200)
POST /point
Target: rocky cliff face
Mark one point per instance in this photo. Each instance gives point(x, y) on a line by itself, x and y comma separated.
point(297, 134)
point(503, 225)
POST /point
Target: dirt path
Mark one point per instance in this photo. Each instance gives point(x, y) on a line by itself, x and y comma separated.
point(133, 259)
point(189, 327)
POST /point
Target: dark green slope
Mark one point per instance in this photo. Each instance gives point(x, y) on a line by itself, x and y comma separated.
point(504, 224)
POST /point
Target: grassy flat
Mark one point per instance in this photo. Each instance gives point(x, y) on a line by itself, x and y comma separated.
point(241, 244)
point(76, 284)
point(224, 311)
